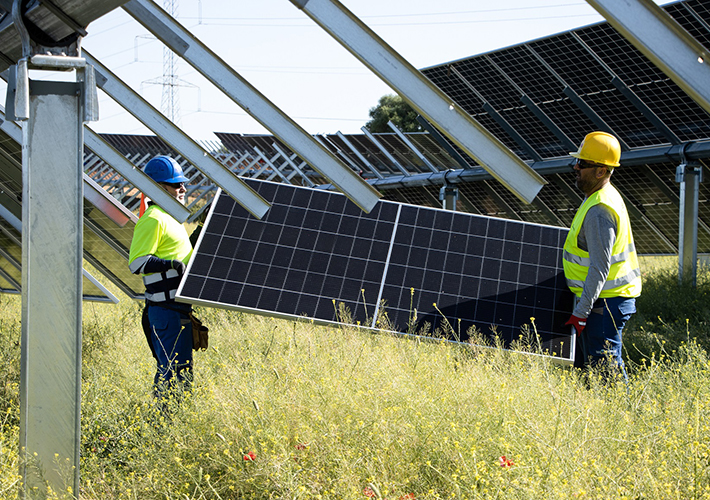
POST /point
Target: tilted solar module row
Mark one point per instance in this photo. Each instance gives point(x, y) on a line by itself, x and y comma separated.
point(594, 64)
point(106, 243)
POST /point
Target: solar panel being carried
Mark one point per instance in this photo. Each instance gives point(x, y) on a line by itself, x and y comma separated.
point(316, 255)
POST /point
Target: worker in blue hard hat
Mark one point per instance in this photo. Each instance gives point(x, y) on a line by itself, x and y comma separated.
point(159, 252)
point(599, 259)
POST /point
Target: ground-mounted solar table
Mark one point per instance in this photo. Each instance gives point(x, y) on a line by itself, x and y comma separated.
point(315, 254)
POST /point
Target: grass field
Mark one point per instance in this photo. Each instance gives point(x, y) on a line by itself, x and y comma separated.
point(294, 410)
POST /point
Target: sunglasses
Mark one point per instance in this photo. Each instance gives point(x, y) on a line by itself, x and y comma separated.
point(581, 164)
point(174, 185)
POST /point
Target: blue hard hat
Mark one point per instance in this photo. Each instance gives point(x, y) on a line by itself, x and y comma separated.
point(164, 169)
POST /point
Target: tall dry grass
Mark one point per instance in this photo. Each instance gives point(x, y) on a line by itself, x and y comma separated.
point(282, 409)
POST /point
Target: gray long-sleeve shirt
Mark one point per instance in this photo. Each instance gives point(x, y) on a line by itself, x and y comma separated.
point(596, 236)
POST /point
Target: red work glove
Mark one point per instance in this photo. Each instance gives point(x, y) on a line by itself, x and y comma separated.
point(577, 323)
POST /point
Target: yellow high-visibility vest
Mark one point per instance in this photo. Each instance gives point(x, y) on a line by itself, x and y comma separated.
point(624, 278)
point(157, 233)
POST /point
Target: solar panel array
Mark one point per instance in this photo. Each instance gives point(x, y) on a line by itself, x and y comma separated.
point(596, 64)
point(315, 250)
point(650, 190)
point(539, 98)
point(11, 266)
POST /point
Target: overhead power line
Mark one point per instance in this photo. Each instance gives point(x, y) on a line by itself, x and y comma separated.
point(427, 14)
point(239, 22)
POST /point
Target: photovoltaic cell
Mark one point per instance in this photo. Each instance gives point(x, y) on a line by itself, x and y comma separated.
point(315, 253)
point(688, 15)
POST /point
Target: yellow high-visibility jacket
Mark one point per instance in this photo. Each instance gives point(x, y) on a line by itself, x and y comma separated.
point(158, 234)
point(624, 279)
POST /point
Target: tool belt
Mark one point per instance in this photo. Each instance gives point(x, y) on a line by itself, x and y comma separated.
point(200, 333)
point(200, 337)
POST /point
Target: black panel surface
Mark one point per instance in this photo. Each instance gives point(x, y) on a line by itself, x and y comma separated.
point(315, 253)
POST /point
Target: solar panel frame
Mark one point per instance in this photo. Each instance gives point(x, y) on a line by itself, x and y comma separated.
point(456, 89)
point(372, 154)
point(702, 9)
point(505, 99)
point(685, 15)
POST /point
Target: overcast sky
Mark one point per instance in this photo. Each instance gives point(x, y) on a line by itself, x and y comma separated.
point(298, 66)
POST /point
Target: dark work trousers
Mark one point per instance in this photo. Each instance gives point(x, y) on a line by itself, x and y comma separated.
point(600, 341)
point(169, 333)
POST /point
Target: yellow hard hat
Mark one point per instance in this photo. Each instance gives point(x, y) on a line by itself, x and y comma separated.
point(599, 147)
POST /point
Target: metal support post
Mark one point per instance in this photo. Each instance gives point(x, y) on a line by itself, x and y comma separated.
point(689, 175)
point(52, 286)
point(448, 195)
point(52, 243)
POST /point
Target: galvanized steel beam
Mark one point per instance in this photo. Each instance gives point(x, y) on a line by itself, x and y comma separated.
point(119, 163)
point(434, 132)
point(134, 175)
point(384, 151)
point(271, 162)
point(296, 168)
point(175, 138)
point(660, 154)
point(424, 96)
point(359, 155)
point(324, 140)
point(183, 43)
point(511, 131)
point(663, 41)
point(50, 382)
point(412, 147)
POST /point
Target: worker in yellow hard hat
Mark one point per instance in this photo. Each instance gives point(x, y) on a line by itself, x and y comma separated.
point(600, 261)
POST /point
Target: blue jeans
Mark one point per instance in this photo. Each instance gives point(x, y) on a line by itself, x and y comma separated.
point(600, 341)
point(171, 340)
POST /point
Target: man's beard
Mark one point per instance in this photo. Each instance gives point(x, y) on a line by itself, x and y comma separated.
point(585, 185)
